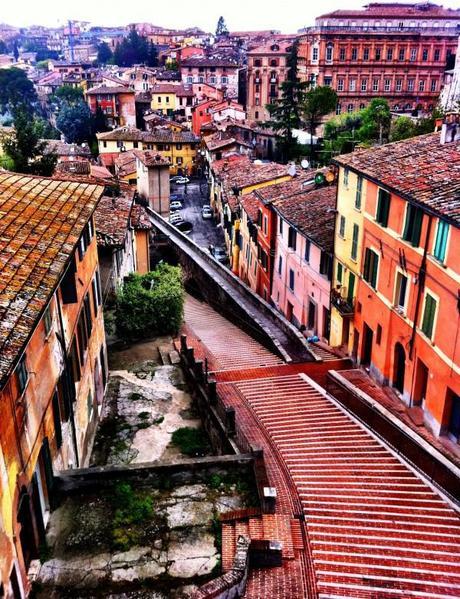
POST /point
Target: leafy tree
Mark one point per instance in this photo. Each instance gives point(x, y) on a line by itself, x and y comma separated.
point(74, 121)
point(318, 102)
point(16, 90)
point(375, 122)
point(340, 134)
point(104, 53)
point(221, 28)
point(45, 130)
point(68, 95)
point(15, 50)
point(3, 48)
point(150, 304)
point(24, 149)
point(285, 113)
point(172, 65)
point(402, 128)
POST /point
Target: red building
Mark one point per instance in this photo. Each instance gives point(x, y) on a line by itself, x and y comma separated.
point(406, 317)
point(395, 51)
point(117, 103)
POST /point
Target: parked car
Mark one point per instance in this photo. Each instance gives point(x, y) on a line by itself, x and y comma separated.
point(175, 217)
point(175, 205)
point(184, 226)
point(206, 212)
point(220, 254)
point(176, 196)
point(181, 180)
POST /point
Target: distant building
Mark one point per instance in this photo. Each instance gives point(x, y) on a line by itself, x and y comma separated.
point(174, 100)
point(215, 71)
point(152, 171)
point(450, 95)
point(395, 51)
point(116, 102)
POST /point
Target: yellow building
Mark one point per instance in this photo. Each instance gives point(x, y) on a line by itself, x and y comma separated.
point(172, 99)
point(351, 193)
point(180, 147)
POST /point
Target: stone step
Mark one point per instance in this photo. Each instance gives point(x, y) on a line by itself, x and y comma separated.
point(174, 357)
point(164, 357)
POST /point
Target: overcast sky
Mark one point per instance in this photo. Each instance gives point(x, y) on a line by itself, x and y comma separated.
point(285, 15)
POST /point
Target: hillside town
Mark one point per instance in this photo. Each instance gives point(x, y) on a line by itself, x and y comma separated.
point(230, 308)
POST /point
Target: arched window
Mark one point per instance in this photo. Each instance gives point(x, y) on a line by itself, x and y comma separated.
point(273, 62)
point(257, 62)
point(329, 51)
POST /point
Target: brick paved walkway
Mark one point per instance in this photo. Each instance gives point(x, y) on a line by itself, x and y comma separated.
point(373, 528)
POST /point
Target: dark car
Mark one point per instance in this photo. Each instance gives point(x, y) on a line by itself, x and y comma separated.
point(220, 255)
point(176, 196)
point(184, 226)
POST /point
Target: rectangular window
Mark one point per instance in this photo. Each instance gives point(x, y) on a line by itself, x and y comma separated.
point(359, 189)
point(413, 225)
point(363, 85)
point(281, 226)
point(425, 54)
point(265, 227)
point(342, 226)
point(280, 265)
point(378, 337)
point(401, 292)
point(410, 85)
point(345, 176)
point(76, 371)
point(351, 287)
point(354, 54)
point(437, 54)
point(291, 279)
point(352, 85)
point(47, 319)
point(421, 85)
point(386, 85)
point(378, 53)
point(328, 81)
point(307, 250)
point(340, 85)
point(375, 85)
point(434, 85)
point(68, 285)
point(22, 374)
point(339, 272)
point(413, 54)
point(354, 242)
point(371, 266)
point(342, 54)
point(325, 265)
point(366, 54)
point(402, 54)
point(315, 54)
point(398, 85)
point(329, 53)
point(390, 54)
point(292, 238)
point(57, 419)
point(383, 207)
point(440, 245)
point(429, 314)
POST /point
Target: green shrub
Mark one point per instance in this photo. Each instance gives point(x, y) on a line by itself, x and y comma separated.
point(191, 441)
point(131, 509)
point(151, 304)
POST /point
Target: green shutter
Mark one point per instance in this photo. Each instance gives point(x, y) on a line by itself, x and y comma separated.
point(417, 229)
point(339, 272)
point(375, 266)
point(383, 207)
point(359, 187)
point(441, 241)
point(354, 243)
point(408, 225)
point(428, 316)
point(351, 286)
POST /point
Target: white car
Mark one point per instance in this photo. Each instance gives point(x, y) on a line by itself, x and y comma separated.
point(175, 217)
point(175, 205)
point(181, 180)
point(206, 212)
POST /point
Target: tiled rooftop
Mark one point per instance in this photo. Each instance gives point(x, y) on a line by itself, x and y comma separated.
point(107, 89)
point(205, 61)
point(158, 135)
point(41, 221)
point(244, 173)
point(420, 169)
point(112, 219)
point(313, 214)
point(250, 204)
point(170, 88)
point(149, 158)
point(397, 10)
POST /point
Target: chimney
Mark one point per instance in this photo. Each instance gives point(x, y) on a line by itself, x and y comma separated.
point(450, 130)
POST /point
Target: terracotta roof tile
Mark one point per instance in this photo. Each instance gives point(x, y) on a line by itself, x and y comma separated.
point(149, 158)
point(420, 169)
point(312, 213)
point(112, 219)
point(41, 221)
point(107, 89)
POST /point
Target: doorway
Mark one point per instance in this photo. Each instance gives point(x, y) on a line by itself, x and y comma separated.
point(326, 323)
point(289, 311)
point(27, 537)
point(354, 351)
point(399, 367)
point(453, 407)
point(312, 316)
point(346, 333)
point(366, 351)
point(421, 383)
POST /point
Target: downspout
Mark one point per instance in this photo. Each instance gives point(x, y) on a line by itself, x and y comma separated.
point(421, 285)
point(67, 366)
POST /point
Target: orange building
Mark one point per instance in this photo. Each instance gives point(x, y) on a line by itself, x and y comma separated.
point(406, 318)
point(116, 102)
point(52, 355)
point(395, 51)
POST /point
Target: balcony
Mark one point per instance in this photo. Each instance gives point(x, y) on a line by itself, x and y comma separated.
point(343, 305)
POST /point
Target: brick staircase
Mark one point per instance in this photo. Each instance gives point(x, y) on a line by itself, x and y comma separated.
point(259, 527)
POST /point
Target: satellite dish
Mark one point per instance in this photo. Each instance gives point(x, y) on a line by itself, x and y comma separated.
point(292, 170)
point(304, 164)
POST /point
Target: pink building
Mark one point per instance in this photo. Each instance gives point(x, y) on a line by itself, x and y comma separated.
point(303, 258)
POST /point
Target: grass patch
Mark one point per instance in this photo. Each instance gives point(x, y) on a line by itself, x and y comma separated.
point(191, 441)
point(132, 509)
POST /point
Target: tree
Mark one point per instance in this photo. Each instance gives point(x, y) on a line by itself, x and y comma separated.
point(3, 48)
point(340, 134)
point(318, 102)
point(15, 50)
point(16, 90)
point(152, 56)
point(134, 49)
point(68, 95)
point(221, 28)
point(104, 53)
point(150, 304)
point(375, 122)
point(402, 128)
point(24, 149)
point(45, 130)
point(285, 112)
point(74, 121)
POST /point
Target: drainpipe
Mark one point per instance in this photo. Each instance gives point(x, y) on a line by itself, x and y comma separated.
point(68, 383)
point(421, 285)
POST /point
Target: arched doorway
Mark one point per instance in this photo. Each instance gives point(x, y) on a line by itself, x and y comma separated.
point(399, 368)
